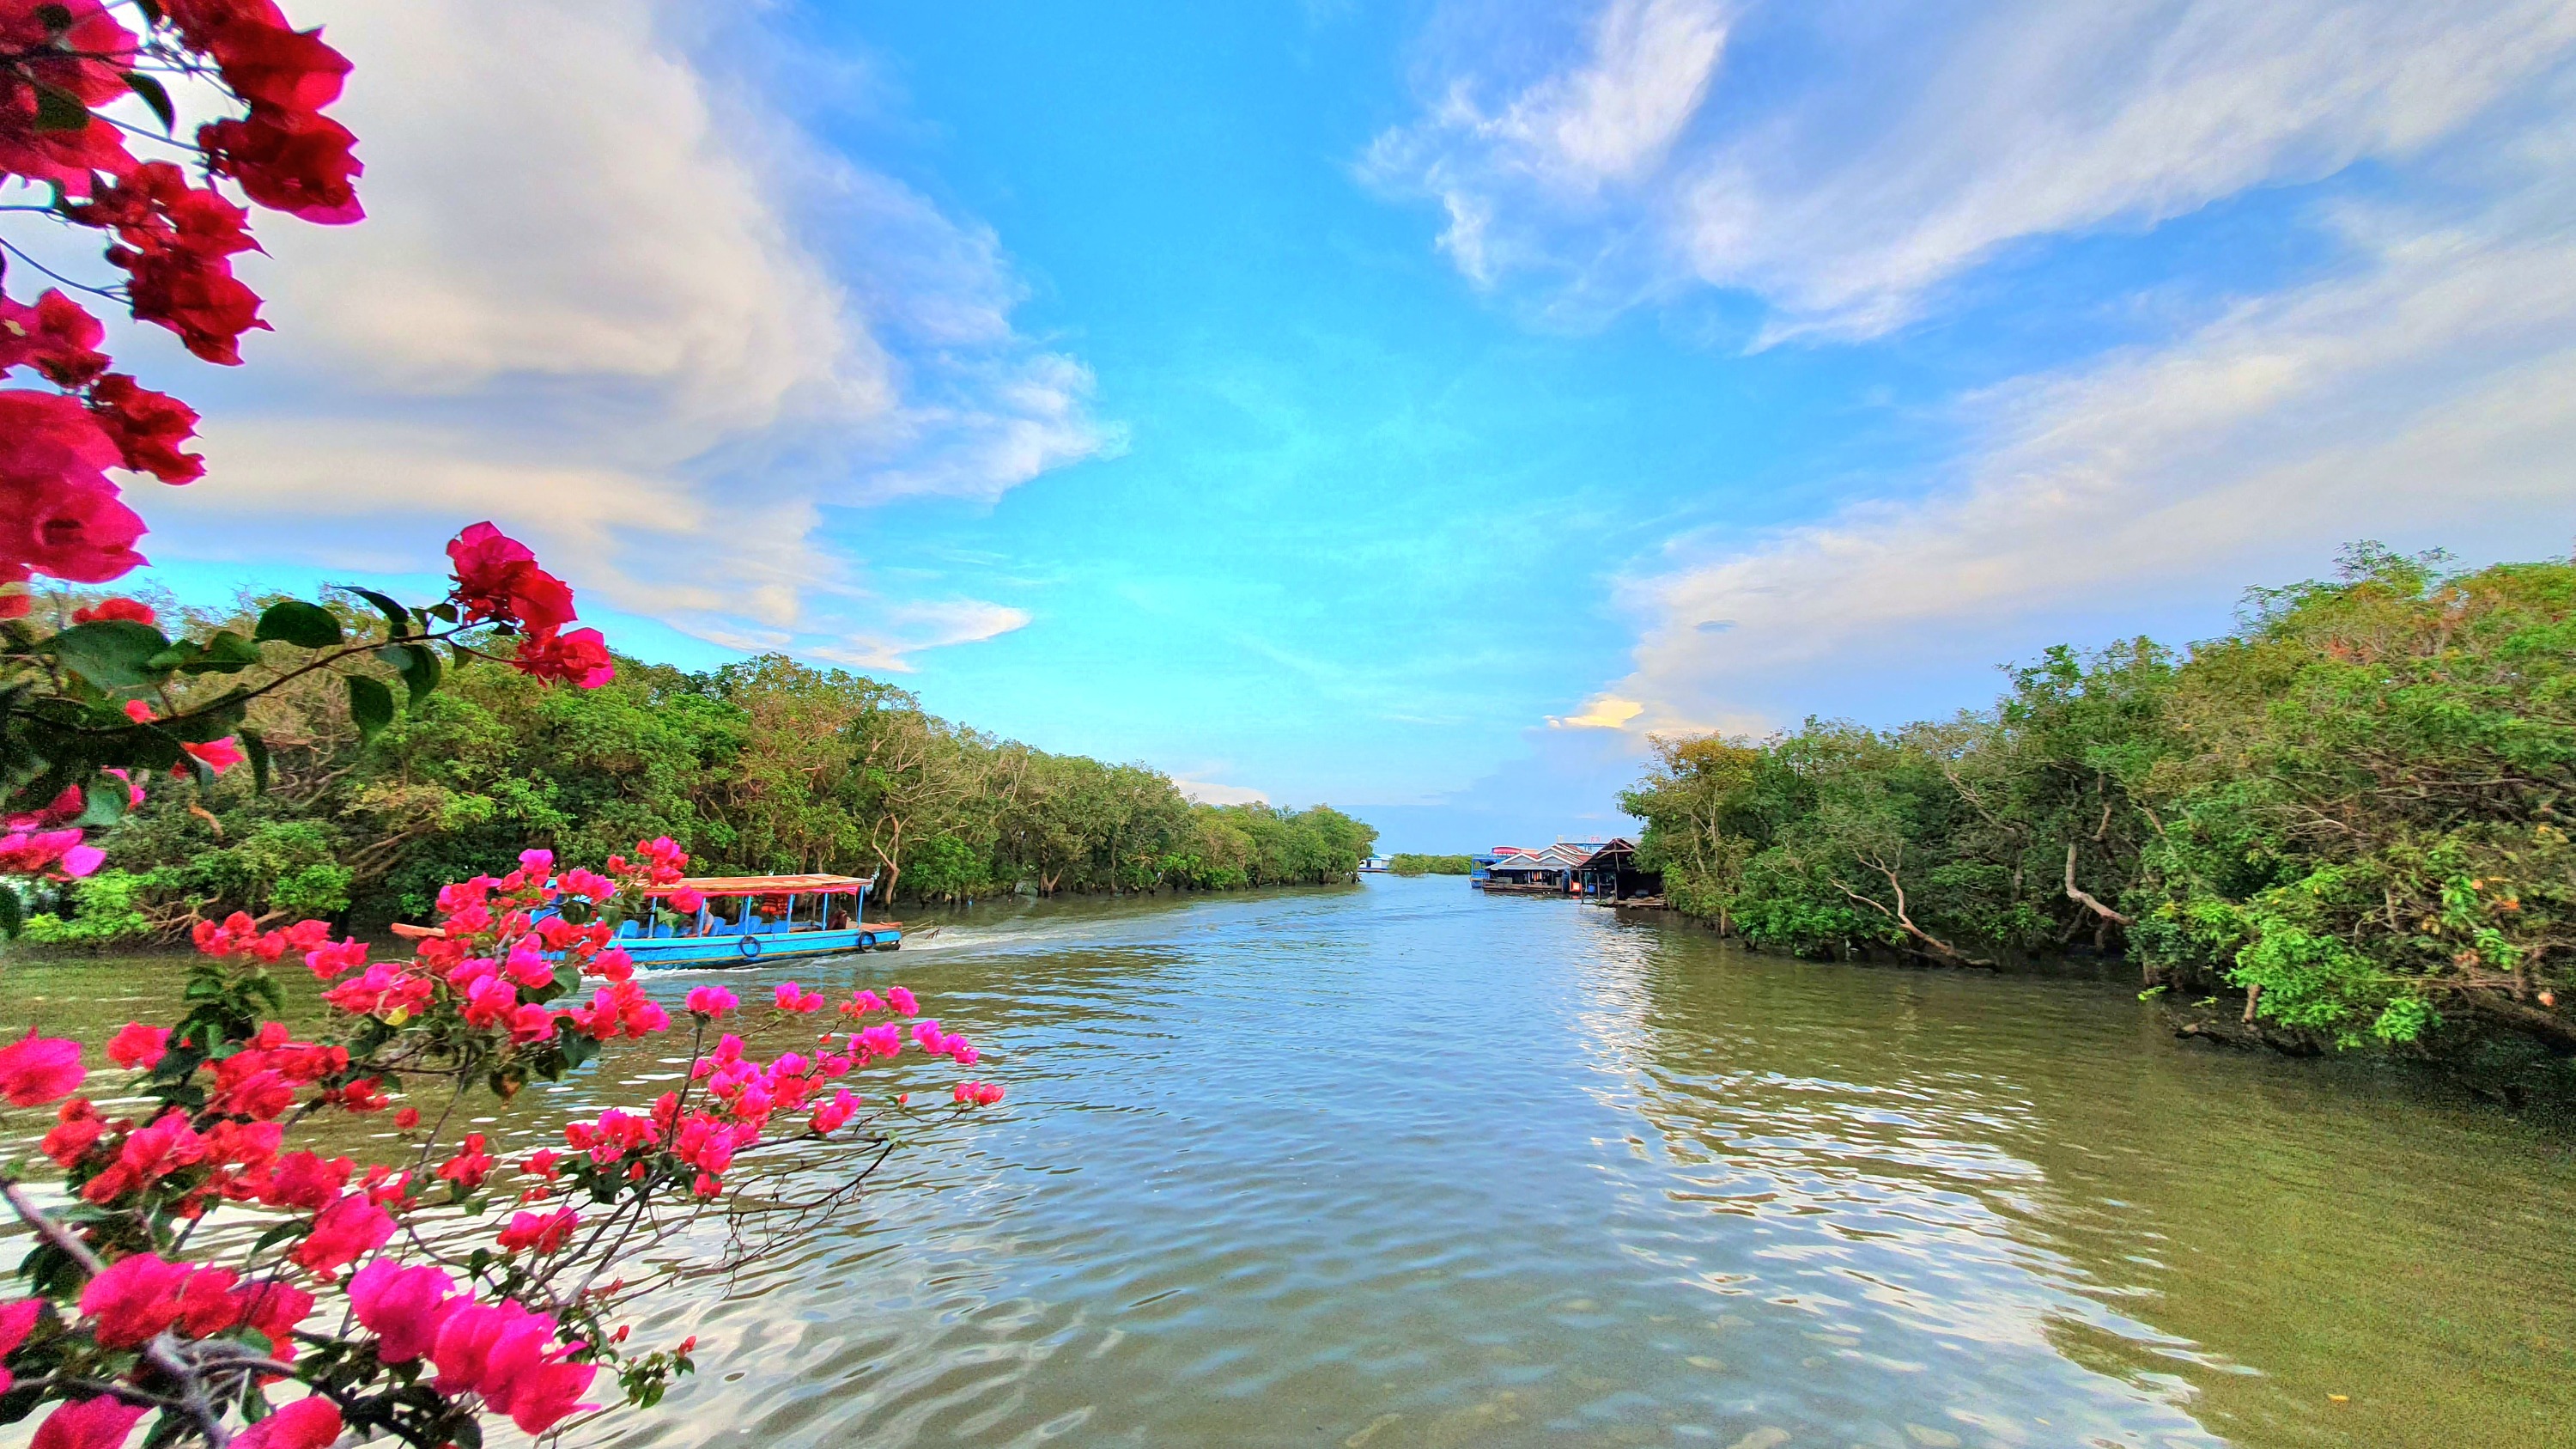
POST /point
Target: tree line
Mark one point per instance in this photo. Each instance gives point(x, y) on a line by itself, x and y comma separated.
point(1410, 863)
point(2348, 820)
point(766, 765)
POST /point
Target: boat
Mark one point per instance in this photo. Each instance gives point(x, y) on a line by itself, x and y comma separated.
point(747, 920)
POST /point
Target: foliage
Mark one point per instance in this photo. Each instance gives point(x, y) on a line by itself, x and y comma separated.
point(2354, 811)
point(391, 1298)
point(100, 910)
point(97, 699)
point(1407, 863)
point(767, 765)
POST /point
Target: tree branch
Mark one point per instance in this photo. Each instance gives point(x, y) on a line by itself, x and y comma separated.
point(2084, 898)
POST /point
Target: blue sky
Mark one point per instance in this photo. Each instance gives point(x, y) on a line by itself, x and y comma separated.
point(1414, 406)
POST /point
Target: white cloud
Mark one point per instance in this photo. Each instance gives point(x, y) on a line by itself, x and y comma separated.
point(1849, 161)
point(2423, 393)
point(1611, 117)
point(1601, 712)
point(605, 300)
point(1208, 792)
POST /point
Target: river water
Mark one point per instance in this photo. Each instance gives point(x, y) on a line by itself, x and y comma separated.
point(1399, 1165)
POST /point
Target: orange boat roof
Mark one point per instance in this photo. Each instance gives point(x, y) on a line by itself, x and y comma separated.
point(764, 885)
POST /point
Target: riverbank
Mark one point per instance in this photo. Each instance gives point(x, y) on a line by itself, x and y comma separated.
point(761, 767)
point(2345, 822)
point(1400, 1163)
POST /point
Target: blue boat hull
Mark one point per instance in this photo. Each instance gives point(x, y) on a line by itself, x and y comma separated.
point(758, 948)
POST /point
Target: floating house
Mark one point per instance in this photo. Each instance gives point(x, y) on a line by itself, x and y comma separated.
point(1610, 876)
point(1548, 871)
point(1603, 871)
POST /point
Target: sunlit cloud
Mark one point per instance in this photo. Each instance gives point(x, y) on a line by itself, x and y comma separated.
point(634, 317)
point(1601, 712)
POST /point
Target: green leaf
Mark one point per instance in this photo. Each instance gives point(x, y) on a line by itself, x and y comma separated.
point(59, 110)
point(293, 621)
point(418, 666)
point(226, 653)
point(110, 653)
point(371, 705)
point(154, 96)
point(10, 919)
point(103, 802)
point(442, 611)
point(397, 618)
point(257, 748)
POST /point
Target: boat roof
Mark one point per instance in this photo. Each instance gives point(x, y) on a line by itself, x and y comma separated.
point(764, 885)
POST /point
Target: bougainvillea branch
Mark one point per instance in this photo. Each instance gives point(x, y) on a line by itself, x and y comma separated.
point(415, 1300)
point(65, 67)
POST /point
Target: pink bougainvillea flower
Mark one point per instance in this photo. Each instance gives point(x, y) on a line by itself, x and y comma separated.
point(59, 514)
point(137, 1297)
point(402, 1306)
point(148, 428)
point(296, 162)
point(306, 1180)
point(707, 1001)
point(539, 1232)
point(588, 884)
point(469, 1166)
point(903, 1001)
point(36, 1069)
point(62, 854)
point(138, 1046)
point(509, 1356)
point(334, 959)
point(795, 998)
point(831, 1115)
point(345, 1231)
point(57, 337)
point(309, 1423)
point(17, 1320)
point(497, 578)
point(100, 1423)
point(580, 658)
point(131, 611)
point(216, 755)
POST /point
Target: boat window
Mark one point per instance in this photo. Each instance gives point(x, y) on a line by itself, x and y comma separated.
point(725, 911)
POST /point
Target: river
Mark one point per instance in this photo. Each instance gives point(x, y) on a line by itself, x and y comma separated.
point(1398, 1165)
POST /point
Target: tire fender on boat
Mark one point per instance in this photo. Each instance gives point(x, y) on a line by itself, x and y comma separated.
point(867, 940)
point(750, 948)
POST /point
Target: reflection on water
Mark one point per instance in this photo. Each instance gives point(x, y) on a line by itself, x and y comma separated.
point(1402, 1166)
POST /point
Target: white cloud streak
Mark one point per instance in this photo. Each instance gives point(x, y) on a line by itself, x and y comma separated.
point(654, 329)
point(1847, 163)
point(2421, 393)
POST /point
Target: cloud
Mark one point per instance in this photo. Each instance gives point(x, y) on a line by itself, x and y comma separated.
point(1207, 792)
point(1610, 118)
point(605, 298)
point(1601, 712)
point(1846, 162)
point(2420, 392)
